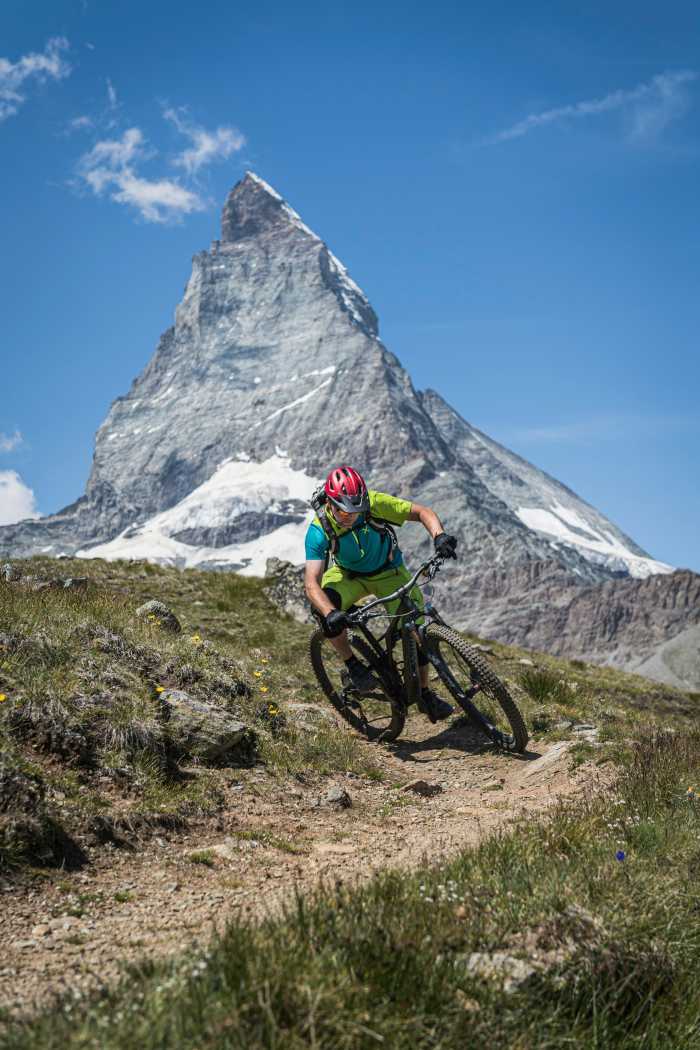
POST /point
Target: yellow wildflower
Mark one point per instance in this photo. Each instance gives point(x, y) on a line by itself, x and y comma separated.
point(272, 709)
point(264, 689)
point(258, 674)
point(2, 697)
point(160, 688)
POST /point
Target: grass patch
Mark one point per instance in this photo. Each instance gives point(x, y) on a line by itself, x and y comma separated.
point(543, 685)
point(203, 856)
point(268, 838)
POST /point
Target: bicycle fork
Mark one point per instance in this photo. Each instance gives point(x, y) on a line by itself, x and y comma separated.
point(464, 698)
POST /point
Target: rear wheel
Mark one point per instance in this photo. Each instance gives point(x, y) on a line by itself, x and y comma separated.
point(379, 715)
point(474, 685)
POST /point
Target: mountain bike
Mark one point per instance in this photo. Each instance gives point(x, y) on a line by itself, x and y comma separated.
point(393, 657)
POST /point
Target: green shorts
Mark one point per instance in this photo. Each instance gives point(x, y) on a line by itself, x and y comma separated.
point(352, 588)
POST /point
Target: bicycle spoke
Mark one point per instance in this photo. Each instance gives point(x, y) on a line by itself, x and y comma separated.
point(478, 690)
point(377, 715)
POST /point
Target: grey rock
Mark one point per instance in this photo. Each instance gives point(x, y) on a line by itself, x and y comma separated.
point(423, 788)
point(164, 616)
point(286, 589)
point(229, 849)
point(75, 583)
point(310, 714)
point(588, 733)
point(337, 796)
point(206, 732)
point(10, 573)
point(506, 969)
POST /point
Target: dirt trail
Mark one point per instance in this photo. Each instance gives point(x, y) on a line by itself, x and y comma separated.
point(155, 900)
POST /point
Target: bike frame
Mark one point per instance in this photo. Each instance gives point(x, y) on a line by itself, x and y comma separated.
point(412, 636)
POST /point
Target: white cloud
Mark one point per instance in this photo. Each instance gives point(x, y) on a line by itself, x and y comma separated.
point(80, 123)
point(111, 165)
point(40, 67)
point(10, 442)
point(652, 107)
point(111, 95)
point(207, 146)
point(156, 200)
point(16, 499)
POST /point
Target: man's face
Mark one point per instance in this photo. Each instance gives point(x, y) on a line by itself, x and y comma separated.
point(344, 519)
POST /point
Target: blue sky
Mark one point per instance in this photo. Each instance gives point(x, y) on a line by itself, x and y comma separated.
point(515, 187)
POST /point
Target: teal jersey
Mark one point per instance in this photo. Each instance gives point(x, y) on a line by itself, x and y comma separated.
point(361, 548)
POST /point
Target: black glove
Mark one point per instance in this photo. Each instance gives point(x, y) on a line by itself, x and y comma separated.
point(334, 623)
point(445, 545)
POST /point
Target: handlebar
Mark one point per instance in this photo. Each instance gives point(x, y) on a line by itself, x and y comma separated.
point(429, 568)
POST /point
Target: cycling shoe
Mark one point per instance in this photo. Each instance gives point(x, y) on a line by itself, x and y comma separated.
point(360, 678)
point(434, 706)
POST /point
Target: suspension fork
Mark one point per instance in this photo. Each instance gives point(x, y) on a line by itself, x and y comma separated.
point(464, 698)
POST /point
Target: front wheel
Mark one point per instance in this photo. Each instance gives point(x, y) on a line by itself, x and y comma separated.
point(378, 716)
point(476, 688)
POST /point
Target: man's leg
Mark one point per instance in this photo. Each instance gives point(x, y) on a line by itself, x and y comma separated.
point(429, 702)
point(344, 592)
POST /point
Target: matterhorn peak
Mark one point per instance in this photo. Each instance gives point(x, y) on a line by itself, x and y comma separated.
point(253, 208)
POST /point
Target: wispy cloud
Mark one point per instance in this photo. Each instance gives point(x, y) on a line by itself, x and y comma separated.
point(114, 164)
point(9, 442)
point(17, 501)
point(207, 146)
point(652, 107)
point(111, 166)
point(82, 123)
point(47, 65)
point(596, 429)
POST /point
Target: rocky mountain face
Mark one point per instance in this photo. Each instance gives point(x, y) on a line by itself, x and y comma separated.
point(274, 371)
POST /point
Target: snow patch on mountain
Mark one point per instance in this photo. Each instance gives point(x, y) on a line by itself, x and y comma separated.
point(239, 486)
point(570, 528)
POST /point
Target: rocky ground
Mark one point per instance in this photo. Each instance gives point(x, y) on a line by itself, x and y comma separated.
point(72, 932)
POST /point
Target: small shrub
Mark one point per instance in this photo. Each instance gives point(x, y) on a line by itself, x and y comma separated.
point(202, 856)
point(545, 686)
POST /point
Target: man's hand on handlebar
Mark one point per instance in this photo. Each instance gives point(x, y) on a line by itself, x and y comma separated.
point(445, 546)
point(334, 623)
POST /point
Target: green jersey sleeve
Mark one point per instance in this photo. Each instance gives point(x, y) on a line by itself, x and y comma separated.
point(391, 508)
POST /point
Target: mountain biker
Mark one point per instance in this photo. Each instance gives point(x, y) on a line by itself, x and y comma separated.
point(354, 525)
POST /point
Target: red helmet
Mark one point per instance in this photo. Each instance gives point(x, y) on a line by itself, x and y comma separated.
point(346, 489)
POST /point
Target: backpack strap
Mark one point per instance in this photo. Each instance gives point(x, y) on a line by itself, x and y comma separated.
point(330, 535)
point(380, 525)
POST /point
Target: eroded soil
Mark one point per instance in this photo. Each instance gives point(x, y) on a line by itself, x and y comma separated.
point(73, 931)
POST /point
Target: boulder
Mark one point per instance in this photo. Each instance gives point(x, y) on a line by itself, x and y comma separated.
point(205, 731)
point(336, 796)
point(423, 788)
point(286, 589)
point(159, 613)
point(75, 583)
point(506, 969)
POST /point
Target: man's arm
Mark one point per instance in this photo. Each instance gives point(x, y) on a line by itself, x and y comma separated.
point(313, 573)
point(427, 517)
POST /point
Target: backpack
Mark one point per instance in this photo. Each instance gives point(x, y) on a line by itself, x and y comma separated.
point(319, 500)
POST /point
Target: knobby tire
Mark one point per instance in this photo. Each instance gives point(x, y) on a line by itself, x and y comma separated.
point(317, 644)
point(492, 685)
